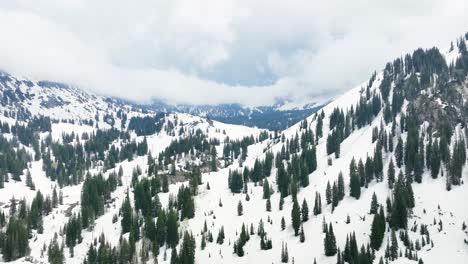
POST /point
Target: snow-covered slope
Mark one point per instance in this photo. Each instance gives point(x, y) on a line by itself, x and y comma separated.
point(442, 211)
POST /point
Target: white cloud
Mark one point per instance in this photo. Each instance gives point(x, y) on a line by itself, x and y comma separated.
point(211, 51)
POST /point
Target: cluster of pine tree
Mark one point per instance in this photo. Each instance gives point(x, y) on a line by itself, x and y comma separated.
point(352, 255)
point(333, 194)
point(94, 193)
point(244, 236)
point(234, 149)
point(147, 125)
point(23, 219)
point(12, 161)
point(329, 240)
point(403, 201)
point(362, 174)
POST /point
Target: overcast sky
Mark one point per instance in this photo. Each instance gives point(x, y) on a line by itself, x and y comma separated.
point(219, 51)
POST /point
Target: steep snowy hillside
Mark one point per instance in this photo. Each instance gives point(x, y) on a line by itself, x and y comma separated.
point(375, 119)
point(376, 176)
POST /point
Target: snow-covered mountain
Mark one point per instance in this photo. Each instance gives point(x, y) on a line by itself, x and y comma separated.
point(275, 117)
point(378, 175)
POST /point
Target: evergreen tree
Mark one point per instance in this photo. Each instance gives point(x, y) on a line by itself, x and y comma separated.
point(284, 253)
point(160, 236)
point(172, 227)
point(235, 181)
point(55, 253)
point(16, 244)
point(165, 184)
point(317, 204)
point(374, 204)
point(281, 203)
point(296, 217)
point(378, 163)
point(330, 242)
point(29, 181)
point(240, 210)
point(127, 215)
point(393, 254)
point(187, 249)
point(268, 205)
point(355, 182)
point(377, 230)
point(399, 213)
point(328, 193)
point(174, 257)
point(220, 238)
point(391, 174)
point(435, 160)
point(399, 152)
point(318, 128)
point(341, 186)
point(266, 189)
point(305, 211)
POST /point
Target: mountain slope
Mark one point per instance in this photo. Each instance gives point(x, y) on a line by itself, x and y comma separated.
point(189, 174)
point(444, 216)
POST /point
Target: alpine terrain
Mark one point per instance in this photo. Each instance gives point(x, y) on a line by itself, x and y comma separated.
point(377, 175)
point(276, 117)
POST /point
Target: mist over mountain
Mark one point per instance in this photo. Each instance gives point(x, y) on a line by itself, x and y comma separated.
point(377, 175)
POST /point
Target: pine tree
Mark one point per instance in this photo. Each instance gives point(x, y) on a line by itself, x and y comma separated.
point(266, 189)
point(362, 173)
point(165, 184)
point(377, 230)
point(236, 182)
point(393, 246)
point(16, 244)
point(330, 242)
point(283, 223)
point(328, 193)
point(29, 181)
point(378, 163)
point(335, 196)
point(296, 217)
point(174, 257)
point(391, 174)
point(127, 215)
point(284, 253)
point(369, 169)
point(399, 214)
point(214, 166)
point(341, 186)
point(374, 204)
point(305, 211)
point(172, 229)
point(240, 209)
point(281, 203)
point(203, 242)
point(399, 152)
point(220, 238)
point(268, 205)
point(317, 204)
point(55, 253)
point(355, 182)
point(435, 160)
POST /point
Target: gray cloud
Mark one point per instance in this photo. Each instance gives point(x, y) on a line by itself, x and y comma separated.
point(210, 51)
